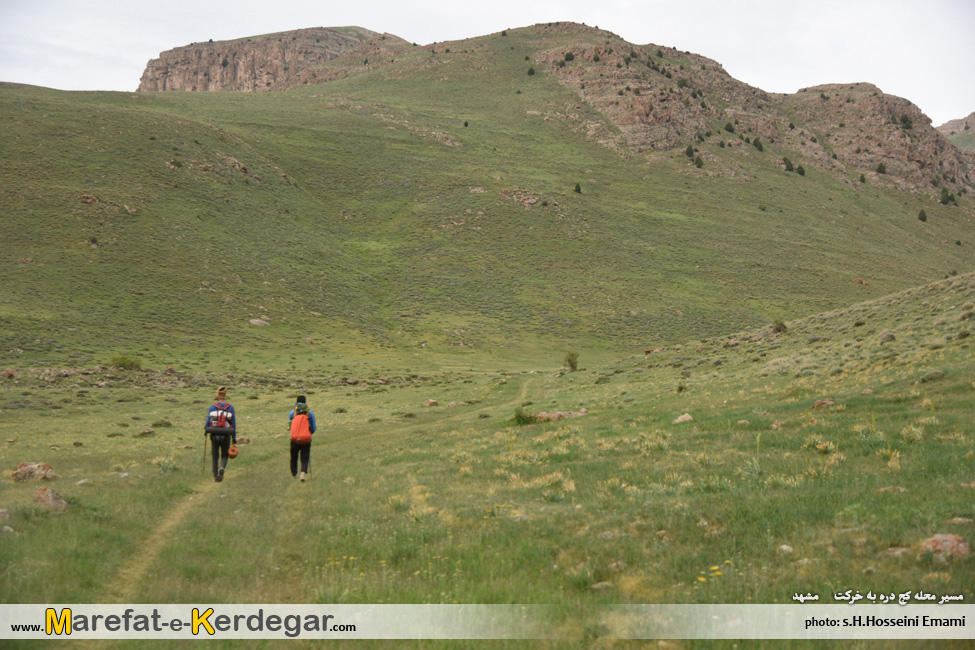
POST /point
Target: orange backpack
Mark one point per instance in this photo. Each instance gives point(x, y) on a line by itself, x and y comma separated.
point(300, 431)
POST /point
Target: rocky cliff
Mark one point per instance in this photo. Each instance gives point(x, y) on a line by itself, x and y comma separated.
point(659, 99)
point(257, 63)
point(956, 126)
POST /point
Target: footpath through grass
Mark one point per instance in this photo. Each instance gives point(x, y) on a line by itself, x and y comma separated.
point(762, 495)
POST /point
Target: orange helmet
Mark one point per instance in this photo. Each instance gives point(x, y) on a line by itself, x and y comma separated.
point(232, 452)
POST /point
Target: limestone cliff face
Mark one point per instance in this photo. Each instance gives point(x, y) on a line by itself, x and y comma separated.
point(658, 100)
point(258, 63)
point(955, 126)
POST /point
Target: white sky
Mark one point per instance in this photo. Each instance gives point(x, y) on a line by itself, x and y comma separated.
point(923, 51)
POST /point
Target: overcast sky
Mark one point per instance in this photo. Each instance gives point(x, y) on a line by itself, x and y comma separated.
point(923, 51)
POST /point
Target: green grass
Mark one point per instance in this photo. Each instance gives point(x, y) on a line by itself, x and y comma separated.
point(399, 256)
point(379, 219)
point(620, 506)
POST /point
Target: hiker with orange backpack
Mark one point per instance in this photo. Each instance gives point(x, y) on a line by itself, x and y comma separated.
point(221, 424)
point(302, 423)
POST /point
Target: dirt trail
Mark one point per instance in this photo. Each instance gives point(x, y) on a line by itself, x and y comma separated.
point(126, 584)
point(125, 587)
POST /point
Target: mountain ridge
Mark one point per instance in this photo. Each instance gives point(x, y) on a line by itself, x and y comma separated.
point(655, 99)
point(440, 198)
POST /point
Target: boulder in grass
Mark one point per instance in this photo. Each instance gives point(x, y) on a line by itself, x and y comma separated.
point(944, 546)
point(30, 471)
point(50, 499)
point(684, 418)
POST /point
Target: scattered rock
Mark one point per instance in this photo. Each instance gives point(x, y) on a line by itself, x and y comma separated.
point(601, 586)
point(7, 529)
point(83, 481)
point(897, 551)
point(146, 432)
point(4, 515)
point(892, 488)
point(243, 440)
point(821, 403)
point(30, 471)
point(684, 418)
point(785, 549)
point(743, 423)
point(867, 391)
point(945, 546)
point(776, 425)
point(259, 322)
point(431, 402)
point(79, 444)
point(960, 520)
point(934, 375)
point(50, 499)
point(559, 415)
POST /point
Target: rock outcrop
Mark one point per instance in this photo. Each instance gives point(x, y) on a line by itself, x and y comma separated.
point(659, 99)
point(257, 63)
point(953, 127)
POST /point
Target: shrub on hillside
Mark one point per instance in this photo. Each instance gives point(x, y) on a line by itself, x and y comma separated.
point(125, 362)
point(801, 170)
point(522, 418)
point(572, 361)
point(881, 168)
point(922, 216)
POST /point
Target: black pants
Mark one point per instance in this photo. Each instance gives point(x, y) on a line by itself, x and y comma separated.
point(305, 452)
point(220, 451)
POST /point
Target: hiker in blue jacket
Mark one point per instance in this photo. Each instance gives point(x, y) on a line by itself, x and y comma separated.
point(301, 450)
point(221, 424)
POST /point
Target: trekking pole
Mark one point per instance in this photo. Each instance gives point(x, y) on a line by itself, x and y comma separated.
point(204, 452)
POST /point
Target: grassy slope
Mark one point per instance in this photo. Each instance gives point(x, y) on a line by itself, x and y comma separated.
point(380, 233)
point(964, 140)
point(454, 503)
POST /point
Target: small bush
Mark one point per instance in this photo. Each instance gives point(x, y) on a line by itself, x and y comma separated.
point(801, 170)
point(569, 56)
point(578, 189)
point(698, 162)
point(125, 362)
point(788, 165)
point(729, 127)
point(572, 361)
point(881, 168)
point(921, 216)
point(531, 71)
point(779, 326)
point(522, 418)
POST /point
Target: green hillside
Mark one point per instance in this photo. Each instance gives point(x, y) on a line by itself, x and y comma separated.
point(427, 203)
point(964, 139)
